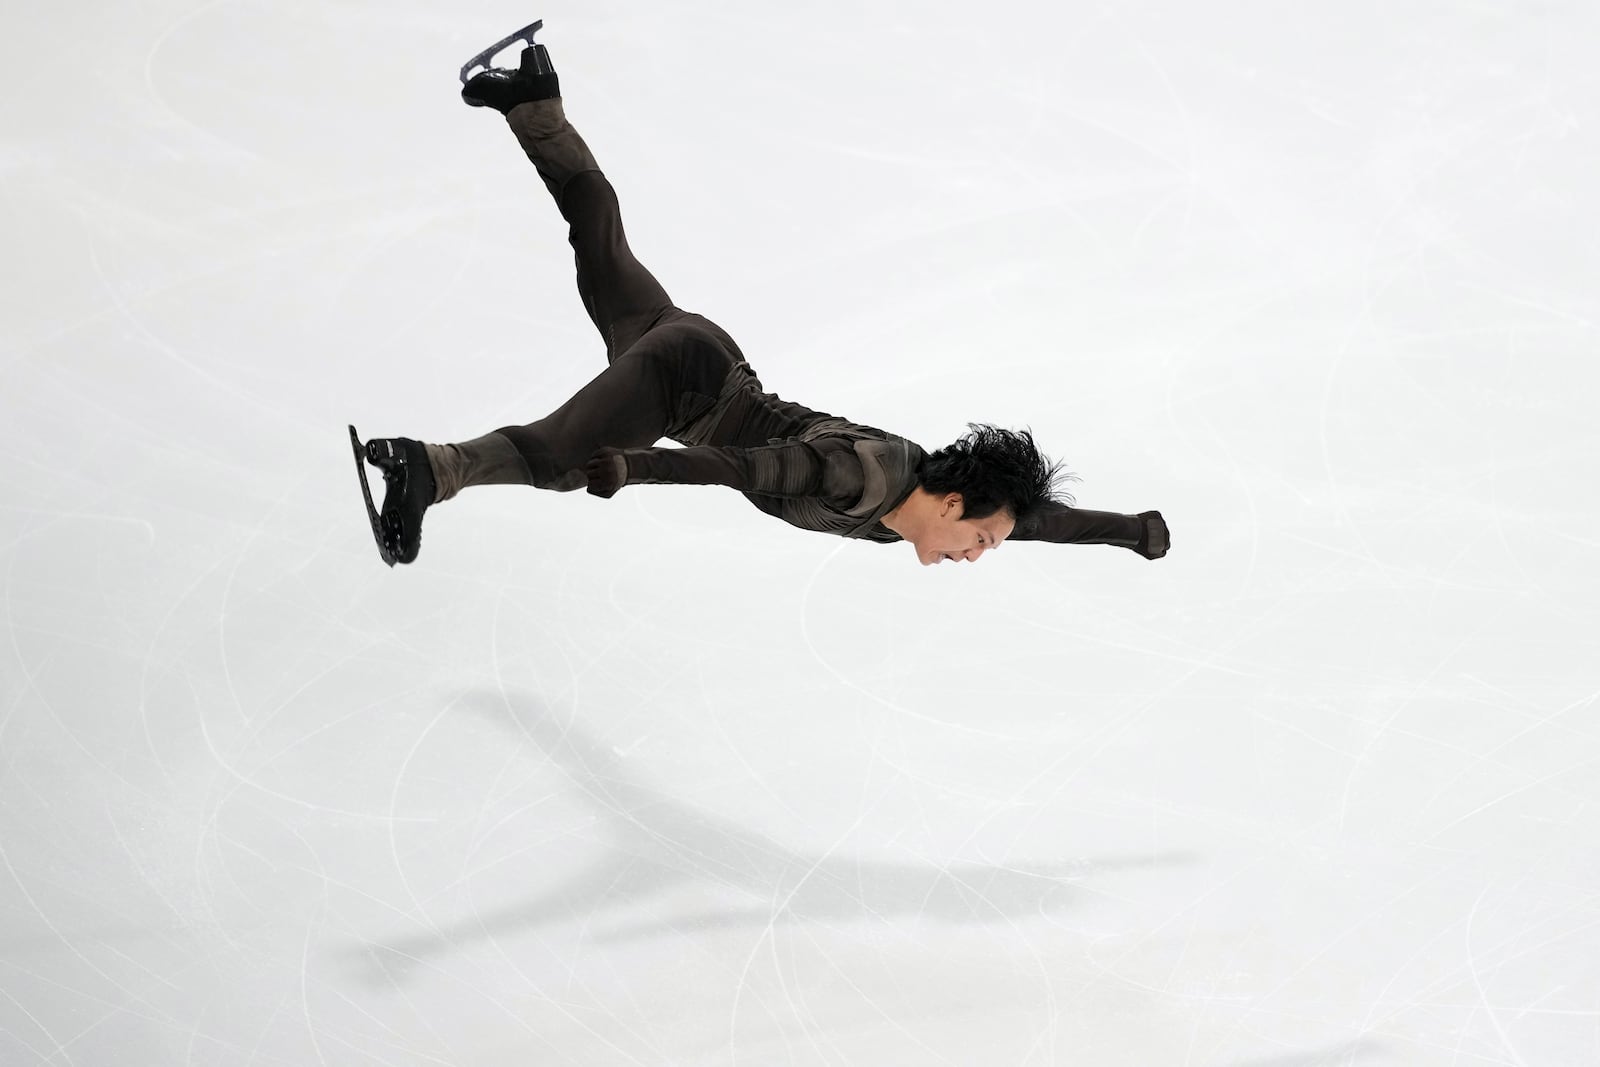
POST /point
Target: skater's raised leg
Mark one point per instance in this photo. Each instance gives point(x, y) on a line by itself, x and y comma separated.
point(623, 298)
point(635, 402)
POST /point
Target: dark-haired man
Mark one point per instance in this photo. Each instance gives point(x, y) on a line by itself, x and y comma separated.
point(678, 375)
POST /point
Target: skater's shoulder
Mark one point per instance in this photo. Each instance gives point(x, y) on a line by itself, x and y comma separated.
point(830, 426)
point(888, 459)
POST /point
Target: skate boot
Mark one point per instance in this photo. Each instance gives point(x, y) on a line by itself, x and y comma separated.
point(409, 491)
point(534, 78)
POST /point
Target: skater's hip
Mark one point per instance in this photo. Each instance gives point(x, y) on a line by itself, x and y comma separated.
point(698, 366)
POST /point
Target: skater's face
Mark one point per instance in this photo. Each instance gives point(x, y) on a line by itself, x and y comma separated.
point(950, 537)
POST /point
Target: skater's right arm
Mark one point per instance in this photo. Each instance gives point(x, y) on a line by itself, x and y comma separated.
point(1145, 533)
point(826, 468)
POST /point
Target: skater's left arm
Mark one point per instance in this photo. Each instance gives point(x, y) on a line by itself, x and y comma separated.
point(827, 468)
point(1145, 533)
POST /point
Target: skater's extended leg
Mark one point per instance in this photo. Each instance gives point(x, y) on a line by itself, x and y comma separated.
point(625, 403)
point(622, 297)
point(664, 381)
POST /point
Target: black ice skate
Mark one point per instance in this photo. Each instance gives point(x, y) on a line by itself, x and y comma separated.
point(408, 479)
point(534, 79)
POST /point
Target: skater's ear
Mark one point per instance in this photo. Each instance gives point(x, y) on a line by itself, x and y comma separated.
point(952, 506)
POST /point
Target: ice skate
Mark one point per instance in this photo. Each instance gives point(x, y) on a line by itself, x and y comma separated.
point(409, 490)
point(502, 89)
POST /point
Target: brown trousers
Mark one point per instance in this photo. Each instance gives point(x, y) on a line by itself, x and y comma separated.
point(666, 367)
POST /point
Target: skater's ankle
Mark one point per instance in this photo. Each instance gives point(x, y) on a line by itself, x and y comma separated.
point(488, 460)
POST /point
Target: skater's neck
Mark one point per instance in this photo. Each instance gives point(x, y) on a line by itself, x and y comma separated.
point(903, 520)
point(919, 512)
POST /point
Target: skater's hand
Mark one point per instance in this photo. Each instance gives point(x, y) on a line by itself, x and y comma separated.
point(1154, 540)
point(607, 472)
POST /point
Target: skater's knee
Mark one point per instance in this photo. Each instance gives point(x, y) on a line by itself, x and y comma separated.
point(531, 446)
point(588, 195)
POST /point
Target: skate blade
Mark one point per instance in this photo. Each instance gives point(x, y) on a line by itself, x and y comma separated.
point(481, 60)
point(366, 495)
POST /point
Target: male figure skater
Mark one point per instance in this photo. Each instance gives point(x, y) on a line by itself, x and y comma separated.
point(678, 375)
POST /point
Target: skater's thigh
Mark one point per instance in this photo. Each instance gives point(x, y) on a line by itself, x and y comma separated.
point(630, 404)
point(671, 372)
point(688, 360)
point(622, 297)
point(666, 381)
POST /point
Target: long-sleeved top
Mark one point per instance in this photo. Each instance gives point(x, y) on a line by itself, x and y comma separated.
point(830, 475)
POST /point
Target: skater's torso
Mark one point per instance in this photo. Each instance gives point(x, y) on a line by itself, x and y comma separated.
point(850, 504)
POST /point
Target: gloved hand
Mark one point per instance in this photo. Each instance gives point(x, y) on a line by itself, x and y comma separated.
point(1155, 540)
point(607, 472)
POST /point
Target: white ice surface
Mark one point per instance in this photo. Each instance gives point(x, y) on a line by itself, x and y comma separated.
point(660, 780)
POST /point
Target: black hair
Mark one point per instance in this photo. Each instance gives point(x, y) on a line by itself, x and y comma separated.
point(994, 470)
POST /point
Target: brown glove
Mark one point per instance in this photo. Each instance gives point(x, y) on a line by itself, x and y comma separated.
point(607, 472)
point(1154, 540)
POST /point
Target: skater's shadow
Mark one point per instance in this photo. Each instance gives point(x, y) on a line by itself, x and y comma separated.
point(658, 844)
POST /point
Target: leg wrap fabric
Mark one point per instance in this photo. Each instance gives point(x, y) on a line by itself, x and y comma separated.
point(549, 140)
point(488, 460)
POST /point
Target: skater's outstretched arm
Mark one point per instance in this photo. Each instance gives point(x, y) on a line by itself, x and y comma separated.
point(1145, 533)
